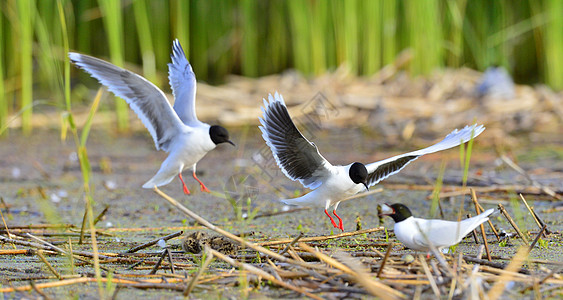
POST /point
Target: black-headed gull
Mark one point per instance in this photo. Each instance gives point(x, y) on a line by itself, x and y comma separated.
point(300, 160)
point(174, 130)
point(418, 234)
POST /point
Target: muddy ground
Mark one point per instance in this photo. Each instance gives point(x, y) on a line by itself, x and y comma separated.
point(41, 183)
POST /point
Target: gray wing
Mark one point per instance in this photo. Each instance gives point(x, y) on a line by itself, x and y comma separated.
point(144, 98)
point(380, 170)
point(298, 158)
point(183, 83)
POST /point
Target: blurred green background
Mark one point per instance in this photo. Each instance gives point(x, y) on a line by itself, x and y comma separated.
point(255, 38)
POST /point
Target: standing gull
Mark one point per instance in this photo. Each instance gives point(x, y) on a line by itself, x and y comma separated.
point(419, 234)
point(300, 160)
point(174, 130)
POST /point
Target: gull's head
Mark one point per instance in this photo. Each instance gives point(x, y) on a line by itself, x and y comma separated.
point(219, 135)
point(397, 211)
point(359, 174)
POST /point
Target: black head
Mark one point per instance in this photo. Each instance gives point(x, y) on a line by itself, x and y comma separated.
point(399, 212)
point(359, 174)
point(219, 135)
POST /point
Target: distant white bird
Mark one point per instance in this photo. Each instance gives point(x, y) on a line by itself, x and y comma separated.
point(300, 160)
point(418, 234)
point(176, 131)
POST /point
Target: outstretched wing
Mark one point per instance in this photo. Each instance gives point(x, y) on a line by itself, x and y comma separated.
point(298, 158)
point(145, 99)
point(380, 170)
point(183, 83)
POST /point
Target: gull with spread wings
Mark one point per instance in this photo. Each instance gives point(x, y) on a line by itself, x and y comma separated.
point(299, 159)
point(175, 130)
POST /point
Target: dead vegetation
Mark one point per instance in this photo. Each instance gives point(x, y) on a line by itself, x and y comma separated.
point(300, 267)
point(347, 265)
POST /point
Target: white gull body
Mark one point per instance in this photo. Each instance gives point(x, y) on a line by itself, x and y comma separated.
point(419, 234)
point(175, 130)
point(299, 159)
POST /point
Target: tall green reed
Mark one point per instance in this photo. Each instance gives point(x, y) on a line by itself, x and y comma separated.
point(553, 41)
point(372, 36)
point(145, 39)
point(249, 36)
point(180, 15)
point(298, 14)
point(425, 35)
point(112, 16)
point(4, 107)
point(26, 17)
point(261, 37)
point(81, 147)
point(389, 21)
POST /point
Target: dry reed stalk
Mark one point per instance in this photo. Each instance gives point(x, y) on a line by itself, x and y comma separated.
point(16, 252)
point(39, 254)
point(39, 291)
point(291, 243)
point(429, 276)
point(530, 210)
point(518, 169)
point(252, 269)
point(233, 237)
point(191, 285)
point(60, 283)
point(507, 216)
point(153, 228)
point(490, 223)
point(324, 237)
point(153, 242)
point(384, 261)
point(474, 233)
point(498, 287)
point(478, 211)
point(537, 237)
point(375, 288)
point(154, 269)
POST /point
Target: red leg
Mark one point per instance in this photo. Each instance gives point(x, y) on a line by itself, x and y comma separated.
point(186, 191)
point(202, 186)
point(340, 225)
point(331, 219)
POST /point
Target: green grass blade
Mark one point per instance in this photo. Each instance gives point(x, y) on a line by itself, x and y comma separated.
point(88, 123)
point(113, 21)
point(553, 40)
point(145, 40)
point(25, 13)
point(300, 23)
point(66, 62)
point(3, 98)
point(436, 191)
point(249, 38)
point(371, 36)
point(181, 13)
point(390, 28)
point(318, 14)
point(467, 158)
point(425, 35)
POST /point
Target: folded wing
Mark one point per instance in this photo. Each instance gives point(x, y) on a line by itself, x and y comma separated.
point(380, 170)
point(443, 233)
point(298, 158)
